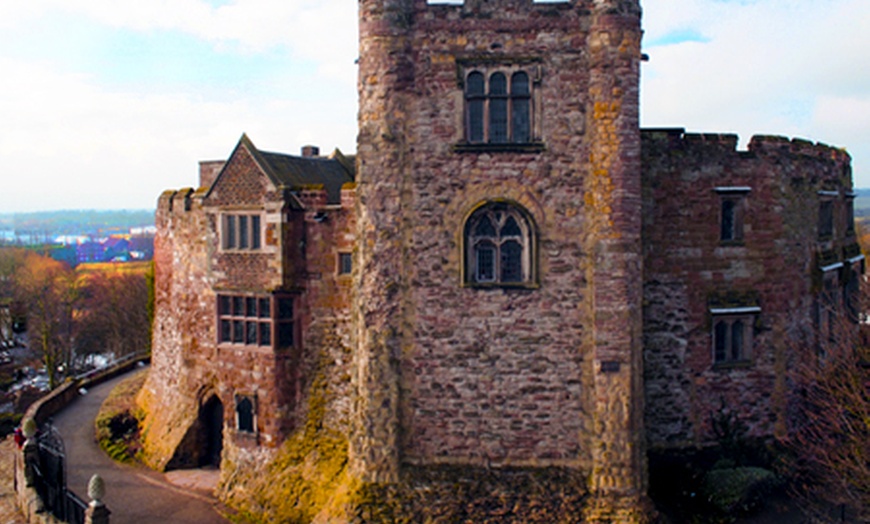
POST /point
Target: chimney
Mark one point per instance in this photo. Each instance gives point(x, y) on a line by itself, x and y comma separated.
point(208, 171)
point(310, 151)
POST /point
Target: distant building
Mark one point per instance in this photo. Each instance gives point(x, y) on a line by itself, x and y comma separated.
point(90, 251)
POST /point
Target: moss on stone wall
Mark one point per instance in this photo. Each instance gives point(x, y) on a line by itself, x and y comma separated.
point(161, 430)
point(117, 423)
point(308, 479)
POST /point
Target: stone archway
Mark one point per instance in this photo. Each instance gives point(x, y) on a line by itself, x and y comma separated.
point(211, 423)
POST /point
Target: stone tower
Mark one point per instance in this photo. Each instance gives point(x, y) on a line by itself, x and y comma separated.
point(498, 283)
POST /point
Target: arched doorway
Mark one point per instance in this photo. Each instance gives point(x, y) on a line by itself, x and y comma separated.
point(211, 418)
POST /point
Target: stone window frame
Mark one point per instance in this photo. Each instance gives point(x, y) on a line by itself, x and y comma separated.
point(241, 231)
point(248, 320)
point(727, 350)
point(852, 275)
point(732, 212)
point(849, 214)
point(344, 263)
point(489, 69)
point(499, 211)
point(251, 398)
point(827, 305)
point(827, 227)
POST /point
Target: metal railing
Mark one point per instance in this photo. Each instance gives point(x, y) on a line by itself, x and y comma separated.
point(50, 479)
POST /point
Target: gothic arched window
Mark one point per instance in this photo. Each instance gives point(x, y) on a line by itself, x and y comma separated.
point(499, 246)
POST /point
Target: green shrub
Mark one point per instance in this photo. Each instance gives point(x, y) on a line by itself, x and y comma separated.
point(738, 490)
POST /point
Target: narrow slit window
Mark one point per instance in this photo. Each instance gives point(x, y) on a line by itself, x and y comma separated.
point(244, 414)
point(826, 219)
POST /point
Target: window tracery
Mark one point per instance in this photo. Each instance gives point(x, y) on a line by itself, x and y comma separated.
point(498, 240)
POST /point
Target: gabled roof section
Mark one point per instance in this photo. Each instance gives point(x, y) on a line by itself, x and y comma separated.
point(296, 172)
point(299, 172)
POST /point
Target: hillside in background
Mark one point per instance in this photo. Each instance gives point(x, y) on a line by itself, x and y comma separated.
point(76, 222)
point(862, 202)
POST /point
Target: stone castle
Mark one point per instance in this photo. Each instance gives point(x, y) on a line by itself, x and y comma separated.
point(510, 280)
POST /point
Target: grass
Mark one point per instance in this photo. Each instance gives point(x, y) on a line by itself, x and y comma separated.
point(117, 423)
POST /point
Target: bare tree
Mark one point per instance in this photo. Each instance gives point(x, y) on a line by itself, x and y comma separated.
point(829, 423)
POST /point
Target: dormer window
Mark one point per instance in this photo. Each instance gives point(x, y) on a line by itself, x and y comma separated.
point(240, 232)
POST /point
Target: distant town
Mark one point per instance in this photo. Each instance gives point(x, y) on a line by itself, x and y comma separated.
point(78, 237)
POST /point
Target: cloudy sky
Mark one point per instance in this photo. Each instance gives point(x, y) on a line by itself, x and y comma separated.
point(105, 103)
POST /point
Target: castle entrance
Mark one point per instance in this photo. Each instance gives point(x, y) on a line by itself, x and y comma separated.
point(211, 419)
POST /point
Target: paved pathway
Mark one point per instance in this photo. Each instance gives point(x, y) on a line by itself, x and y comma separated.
point(133, 494)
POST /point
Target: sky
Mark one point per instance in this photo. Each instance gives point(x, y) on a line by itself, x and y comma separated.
point(106, 103)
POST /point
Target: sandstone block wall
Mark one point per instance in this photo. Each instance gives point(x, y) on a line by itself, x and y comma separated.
point(190, 366)
point(687, 270)
point(548, 374)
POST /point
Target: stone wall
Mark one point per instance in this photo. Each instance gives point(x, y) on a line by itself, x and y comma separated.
point(183, 323)
point(547, 374)
point(688, 270)
point(190, 366)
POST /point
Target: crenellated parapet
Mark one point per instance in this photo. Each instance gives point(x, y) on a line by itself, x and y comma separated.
point(678, 145)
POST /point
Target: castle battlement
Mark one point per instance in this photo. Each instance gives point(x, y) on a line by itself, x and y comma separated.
point(767, 146)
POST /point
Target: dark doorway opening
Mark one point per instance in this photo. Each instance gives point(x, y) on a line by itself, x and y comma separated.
point(212, 421)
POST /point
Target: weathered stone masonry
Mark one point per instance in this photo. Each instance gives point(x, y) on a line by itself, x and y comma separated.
point(359, 325)
point(297, 258)
point(457, 374)
point(777, 266)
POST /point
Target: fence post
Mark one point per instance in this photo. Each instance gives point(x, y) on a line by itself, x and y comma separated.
point(29, 501)
point(97, 512)
point(31, 452)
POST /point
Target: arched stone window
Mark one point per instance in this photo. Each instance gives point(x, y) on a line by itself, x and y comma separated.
point(498, 109)
point(499, 246)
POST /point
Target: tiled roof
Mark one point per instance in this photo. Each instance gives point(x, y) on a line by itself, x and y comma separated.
point(296, 171)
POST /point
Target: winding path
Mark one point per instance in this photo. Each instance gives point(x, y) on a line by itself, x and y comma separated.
point(133, 494)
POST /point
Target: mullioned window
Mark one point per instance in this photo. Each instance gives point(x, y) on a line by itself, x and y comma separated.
point(250, 320)
point(241, 232)
point(500, 107)
point(732, 334)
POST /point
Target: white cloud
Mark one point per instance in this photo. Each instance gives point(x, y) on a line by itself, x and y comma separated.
point(68, 143)
point(320, 30)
